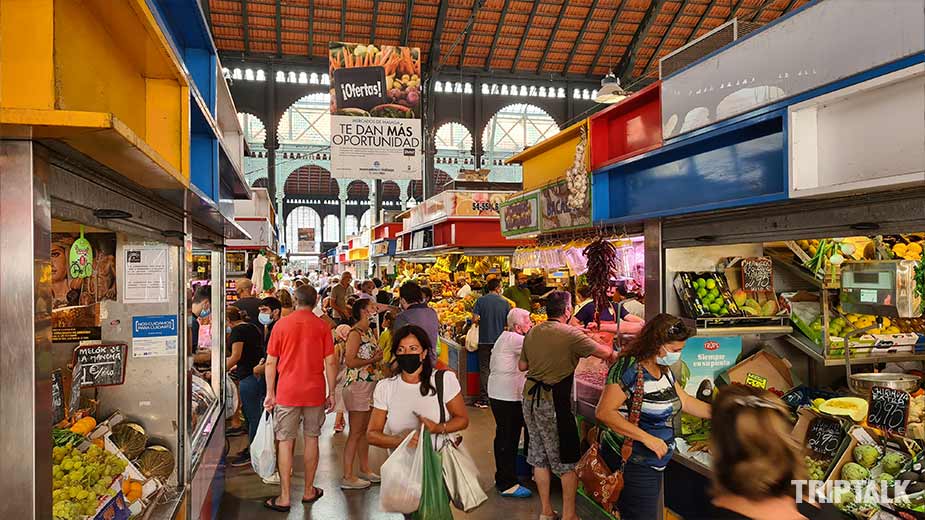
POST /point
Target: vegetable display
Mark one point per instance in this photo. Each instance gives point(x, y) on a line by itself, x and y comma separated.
point(130, 438)
point(156, 461)
point(602, 263)
point(402, 68)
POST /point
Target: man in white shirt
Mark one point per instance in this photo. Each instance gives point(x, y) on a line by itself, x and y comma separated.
point(505, 393)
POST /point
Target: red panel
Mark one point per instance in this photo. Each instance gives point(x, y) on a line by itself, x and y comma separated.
point(473, 233)
point(629, 128)
point(388, 230)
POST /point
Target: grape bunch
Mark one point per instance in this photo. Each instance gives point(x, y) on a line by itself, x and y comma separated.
point(80, 478)
point(816, 468)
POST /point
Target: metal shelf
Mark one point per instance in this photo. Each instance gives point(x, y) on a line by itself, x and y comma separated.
point(761, 330)
point(813, 350)
point(692, 464)
point(799, 272)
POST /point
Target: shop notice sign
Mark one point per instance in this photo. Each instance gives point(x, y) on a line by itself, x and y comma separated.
point(703, 359)
point(154, 336)
point(375, 111)
point(145, 274)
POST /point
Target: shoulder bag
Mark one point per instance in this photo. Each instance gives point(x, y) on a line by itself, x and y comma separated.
point(601, 483)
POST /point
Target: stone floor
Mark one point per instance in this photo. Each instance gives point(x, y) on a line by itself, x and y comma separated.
point(244, 491)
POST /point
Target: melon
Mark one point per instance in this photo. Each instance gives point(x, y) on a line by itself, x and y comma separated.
point(853, 407)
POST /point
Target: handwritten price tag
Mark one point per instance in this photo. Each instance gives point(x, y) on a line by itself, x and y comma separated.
point(888, 409)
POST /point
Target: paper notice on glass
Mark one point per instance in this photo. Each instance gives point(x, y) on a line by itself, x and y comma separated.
point(154, 336)
point(145, 274)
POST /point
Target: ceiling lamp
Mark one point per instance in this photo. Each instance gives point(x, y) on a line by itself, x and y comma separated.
point(611, 91)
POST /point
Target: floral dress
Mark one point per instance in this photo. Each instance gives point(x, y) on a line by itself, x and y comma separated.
point(368, 349)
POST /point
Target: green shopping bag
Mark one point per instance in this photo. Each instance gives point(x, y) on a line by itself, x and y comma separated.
point(435, 502)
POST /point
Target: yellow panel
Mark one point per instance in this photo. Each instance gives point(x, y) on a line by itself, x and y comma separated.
point(95, 72)
point(185, 133)
point(548, 160)
point(26, 54)
point(164, 127)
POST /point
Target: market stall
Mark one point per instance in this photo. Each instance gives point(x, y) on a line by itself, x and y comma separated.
point(383, 249)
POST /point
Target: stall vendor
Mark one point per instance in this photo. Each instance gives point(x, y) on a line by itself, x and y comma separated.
point(629, 323)
point(519, 293)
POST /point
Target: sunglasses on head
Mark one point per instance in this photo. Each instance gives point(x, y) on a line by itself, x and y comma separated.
point(677, 329)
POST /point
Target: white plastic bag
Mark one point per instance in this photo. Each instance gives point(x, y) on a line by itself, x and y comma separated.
point(402, 477)
point(461, 477)
point(472, 338)
point(231, 396)
point(263, 450)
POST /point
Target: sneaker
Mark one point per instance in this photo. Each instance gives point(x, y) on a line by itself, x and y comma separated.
point(272, 480)
point(235, 432)
point(517, 491)
point(241, 460)
point(481, 404)
point(356, 483)
point(372, 477)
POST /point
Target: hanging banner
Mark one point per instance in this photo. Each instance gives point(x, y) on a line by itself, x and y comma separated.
point(375, 111)
point(306, 240)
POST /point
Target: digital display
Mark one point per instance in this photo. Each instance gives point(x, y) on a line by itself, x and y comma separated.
point(868, 296)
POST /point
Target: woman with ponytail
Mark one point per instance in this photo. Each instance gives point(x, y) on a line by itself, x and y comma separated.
point(755, 460)
point(362, 358)
point(643, 368)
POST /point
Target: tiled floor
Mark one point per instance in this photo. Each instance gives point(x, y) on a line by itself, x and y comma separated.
point(244, 491)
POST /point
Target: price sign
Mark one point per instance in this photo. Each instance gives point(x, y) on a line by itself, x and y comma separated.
point(824, 436)
point(757, 274)
point(57, 397)
point(101, 365)
point(756, 381)
point(888, 409)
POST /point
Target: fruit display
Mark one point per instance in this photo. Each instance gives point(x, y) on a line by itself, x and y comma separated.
point(853, 407)
point(538, 317)
point(156, 462)
point(915, 427)
point(816, 467)
point(81, 479)
point(911, 250)
point(751, 306)
point(705, 295)
point(130, 438)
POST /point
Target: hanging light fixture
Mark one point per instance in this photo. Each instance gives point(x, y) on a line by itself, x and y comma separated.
point(611, 91)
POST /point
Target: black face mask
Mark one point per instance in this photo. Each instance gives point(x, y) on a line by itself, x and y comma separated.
point(409, 363)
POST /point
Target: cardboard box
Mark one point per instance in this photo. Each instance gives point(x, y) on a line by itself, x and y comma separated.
point(800, 432)
point(762, 369)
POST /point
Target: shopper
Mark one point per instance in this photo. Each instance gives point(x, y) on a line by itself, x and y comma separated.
point(285, 299)
point(519, 293)
point(490, 314)
point(656, 348)
point(271, 310)
point(385, 340)
point(247, 302)
point(505, 393)
point(339, 294)
point(416, 312)
point(629, 323)
point(246, 342)
point(200, 307)
point(428, 294)
point(755, 460)
point(550, 354)
point(383, 295)
point(300, 358)
point(340, 349)
point(362, 359)
point(402, 403)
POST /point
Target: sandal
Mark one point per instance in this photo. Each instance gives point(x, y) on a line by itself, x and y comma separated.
point(270, 503)
point(554, 516)
point(318, 494)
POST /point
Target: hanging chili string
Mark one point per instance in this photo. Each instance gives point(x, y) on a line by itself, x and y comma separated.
point(602, 262)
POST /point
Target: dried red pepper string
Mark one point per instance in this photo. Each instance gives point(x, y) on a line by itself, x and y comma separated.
point(602, 262)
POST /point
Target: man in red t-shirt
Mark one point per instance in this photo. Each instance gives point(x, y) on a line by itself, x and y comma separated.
point(300, 353)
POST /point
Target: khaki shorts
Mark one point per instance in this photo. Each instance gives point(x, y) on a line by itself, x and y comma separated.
point(286, 421)
point(358, 396)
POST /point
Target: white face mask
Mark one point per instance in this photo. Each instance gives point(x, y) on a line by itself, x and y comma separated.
point(375, 292)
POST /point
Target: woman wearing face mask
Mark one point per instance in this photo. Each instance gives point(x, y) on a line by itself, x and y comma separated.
point(404, 402)
point(246, 352)
point(649, 356)
point(362, 358)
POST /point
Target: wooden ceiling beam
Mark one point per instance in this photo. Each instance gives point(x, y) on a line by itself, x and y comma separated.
point(343, 20)
point(433, 57)
point(581, 35)
point(603, 48)
point(552, 36)
point(476, 6)
point(661, 43)
point(494, 40)
point(703, 18)
point(406, 26)
point(247, 42)
point(279, 29)
point(311, 29)
point(628, 60)
point(372, 34)
point(526, 35)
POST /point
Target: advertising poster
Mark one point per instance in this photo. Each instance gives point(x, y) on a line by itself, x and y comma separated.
point(71, 291)
point(477, 204)
point(145, 274)
point(306, 239)
point(703, 359)
point(556, 213)
point(154, 336)
point(520, 215)
point(375, 111)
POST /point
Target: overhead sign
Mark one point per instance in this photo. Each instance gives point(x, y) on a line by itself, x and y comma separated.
point(557, 214)
point(520, 215)
point(375, 111)
point(306, 240)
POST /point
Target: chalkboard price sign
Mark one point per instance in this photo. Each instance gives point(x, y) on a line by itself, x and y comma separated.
point(888, 409)
point(825, 436)
point(757, 274)
point(57, 397)
point(101, 365)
